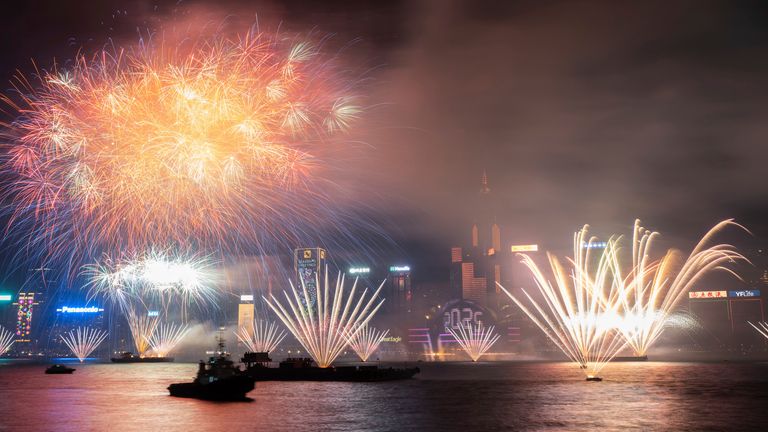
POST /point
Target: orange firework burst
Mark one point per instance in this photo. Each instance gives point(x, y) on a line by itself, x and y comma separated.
point(206, 143)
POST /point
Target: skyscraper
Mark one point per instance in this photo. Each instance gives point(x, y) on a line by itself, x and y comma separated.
point(476, 270)
point(308, 265)
point(26, 303)
point(399, 294)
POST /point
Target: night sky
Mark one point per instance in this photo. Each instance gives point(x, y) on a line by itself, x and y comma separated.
point(580, 112)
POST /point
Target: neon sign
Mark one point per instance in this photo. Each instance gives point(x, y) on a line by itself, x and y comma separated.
point(246, 297)
point(399, 268)
point(87, 309)
point(744, 293)
point(707, 294)
point(353, 270)
point(153, 313)
point(5, 297)
point(524, 248)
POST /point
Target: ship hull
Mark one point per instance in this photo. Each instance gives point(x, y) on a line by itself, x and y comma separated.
point(350, 374)
point(630, 359)
point(50, 371)
point(142, 360)
point(228, 389)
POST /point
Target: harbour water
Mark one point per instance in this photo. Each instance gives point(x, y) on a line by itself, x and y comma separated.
point(444, 397)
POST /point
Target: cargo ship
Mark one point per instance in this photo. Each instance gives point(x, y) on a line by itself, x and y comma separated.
point(257, 366)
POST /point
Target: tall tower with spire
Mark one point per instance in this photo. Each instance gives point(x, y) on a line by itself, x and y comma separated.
point(475, 270)
point(484, 189)
point(486, 234)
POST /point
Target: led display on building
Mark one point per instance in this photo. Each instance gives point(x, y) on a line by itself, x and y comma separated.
point(308, 263)
point(26, 305)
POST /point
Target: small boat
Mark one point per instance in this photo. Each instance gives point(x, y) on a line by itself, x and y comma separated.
point(59, 369)
point(594, 378)
point(301, 369)
point(218, 379)
point(129, 357)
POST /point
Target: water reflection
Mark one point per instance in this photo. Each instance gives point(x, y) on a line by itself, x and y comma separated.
point(447, 397)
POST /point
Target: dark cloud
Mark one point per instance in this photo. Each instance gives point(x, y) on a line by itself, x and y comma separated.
point(582, 112)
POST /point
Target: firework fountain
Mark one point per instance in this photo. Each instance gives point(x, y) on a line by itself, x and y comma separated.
point(142, 330)
point(366, 341)
point(761, 327)
point(578, 308)
point(261, 336)
point(6, 340)
point(324, 326)
point(83, 341)
point(166, 337)
point(649, 292)
point(474, 340)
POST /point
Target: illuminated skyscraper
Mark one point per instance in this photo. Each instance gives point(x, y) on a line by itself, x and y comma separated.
point(69, 317)
point(26, 304)
point(472, 287)
point(245, 311)
point(475, 270)
point(398, 291)
point(309, 265)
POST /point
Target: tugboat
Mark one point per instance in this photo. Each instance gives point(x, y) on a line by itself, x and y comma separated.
point(129, 357)
point(302, 369)
point(218, 379)
point(59, 369)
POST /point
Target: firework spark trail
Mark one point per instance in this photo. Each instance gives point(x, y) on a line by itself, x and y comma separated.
point(651, 290)
point(262, 336)
point(323, 328)
point(142, 329)
point(165, 338)
point(761, 327)
point(578, 309)
point(474, 340)
point(6, 340)
point(83, 341)
point(209, 143)
point(366, 341)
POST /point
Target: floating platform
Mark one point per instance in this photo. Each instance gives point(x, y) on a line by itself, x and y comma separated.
point(630, 359)
point(301, 369)
point(131, 358)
